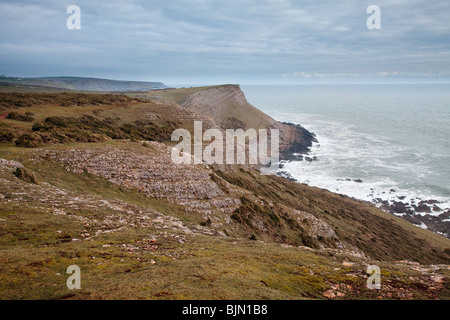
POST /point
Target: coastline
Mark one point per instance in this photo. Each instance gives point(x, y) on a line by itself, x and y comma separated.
point(424, 213)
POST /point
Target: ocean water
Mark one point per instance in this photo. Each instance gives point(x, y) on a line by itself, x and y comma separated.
point(393, 138)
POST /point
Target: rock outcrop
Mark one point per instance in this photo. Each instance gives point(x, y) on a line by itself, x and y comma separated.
point(228, 106)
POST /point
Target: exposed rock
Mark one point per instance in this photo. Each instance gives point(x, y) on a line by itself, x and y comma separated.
point(151, 170)
point(329, 294)
point(87, 210)
point(295, 139)
point(432, 201)
point(25, 175)
point(445, 215)
point(422, 208)
point(220, 103)
point(348, 264)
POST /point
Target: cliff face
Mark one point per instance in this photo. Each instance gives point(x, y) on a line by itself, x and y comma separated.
point(230, 109)
point(294, 139)
point(227, 102)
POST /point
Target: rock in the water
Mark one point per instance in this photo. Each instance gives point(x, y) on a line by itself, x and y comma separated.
point(445, 215)
point(422, 208)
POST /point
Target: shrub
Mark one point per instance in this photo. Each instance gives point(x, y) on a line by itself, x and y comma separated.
point(56, 121)
point(29, 141)
point(6, 137)
point(27, 117)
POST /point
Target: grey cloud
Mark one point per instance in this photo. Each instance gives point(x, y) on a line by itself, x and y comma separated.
point(242, 40)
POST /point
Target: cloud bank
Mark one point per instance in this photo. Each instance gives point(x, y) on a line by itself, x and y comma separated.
point(245, 41)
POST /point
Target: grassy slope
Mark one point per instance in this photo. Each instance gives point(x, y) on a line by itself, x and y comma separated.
point(33, 252)
point(171, 95)
point(380, 235)
point(108, 116)
point(77, 83)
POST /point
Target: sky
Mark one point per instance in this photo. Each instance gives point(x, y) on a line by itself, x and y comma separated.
point(233, 41)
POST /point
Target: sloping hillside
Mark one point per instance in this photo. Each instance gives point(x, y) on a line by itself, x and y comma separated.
point(86, 84)
point(90, 189)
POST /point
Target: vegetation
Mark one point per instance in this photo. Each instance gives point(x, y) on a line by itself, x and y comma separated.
point(378, 234)
point(27, 117)
point(91, 129)
point(14, 100)
point(130, 245)
point(74, 117)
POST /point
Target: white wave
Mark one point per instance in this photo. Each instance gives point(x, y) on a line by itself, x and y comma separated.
point(344, 153)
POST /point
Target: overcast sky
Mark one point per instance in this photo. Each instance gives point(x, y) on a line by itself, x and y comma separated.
point(232, 41)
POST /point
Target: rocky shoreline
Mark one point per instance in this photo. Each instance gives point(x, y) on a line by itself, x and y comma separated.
point(423, 213)
point(301, 140)
point(426, 214)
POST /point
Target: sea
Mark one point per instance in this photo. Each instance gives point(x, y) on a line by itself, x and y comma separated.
point(376, 142)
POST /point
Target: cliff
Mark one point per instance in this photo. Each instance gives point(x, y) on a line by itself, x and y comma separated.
point(87, 179)
point(229, 108)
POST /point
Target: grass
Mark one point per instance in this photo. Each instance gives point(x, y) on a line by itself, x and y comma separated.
point(172, 95)
point(36, 249)
point(53, 173)
point(380, 235)
point(79, 117)
point(201, 268)
point(36, 245)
